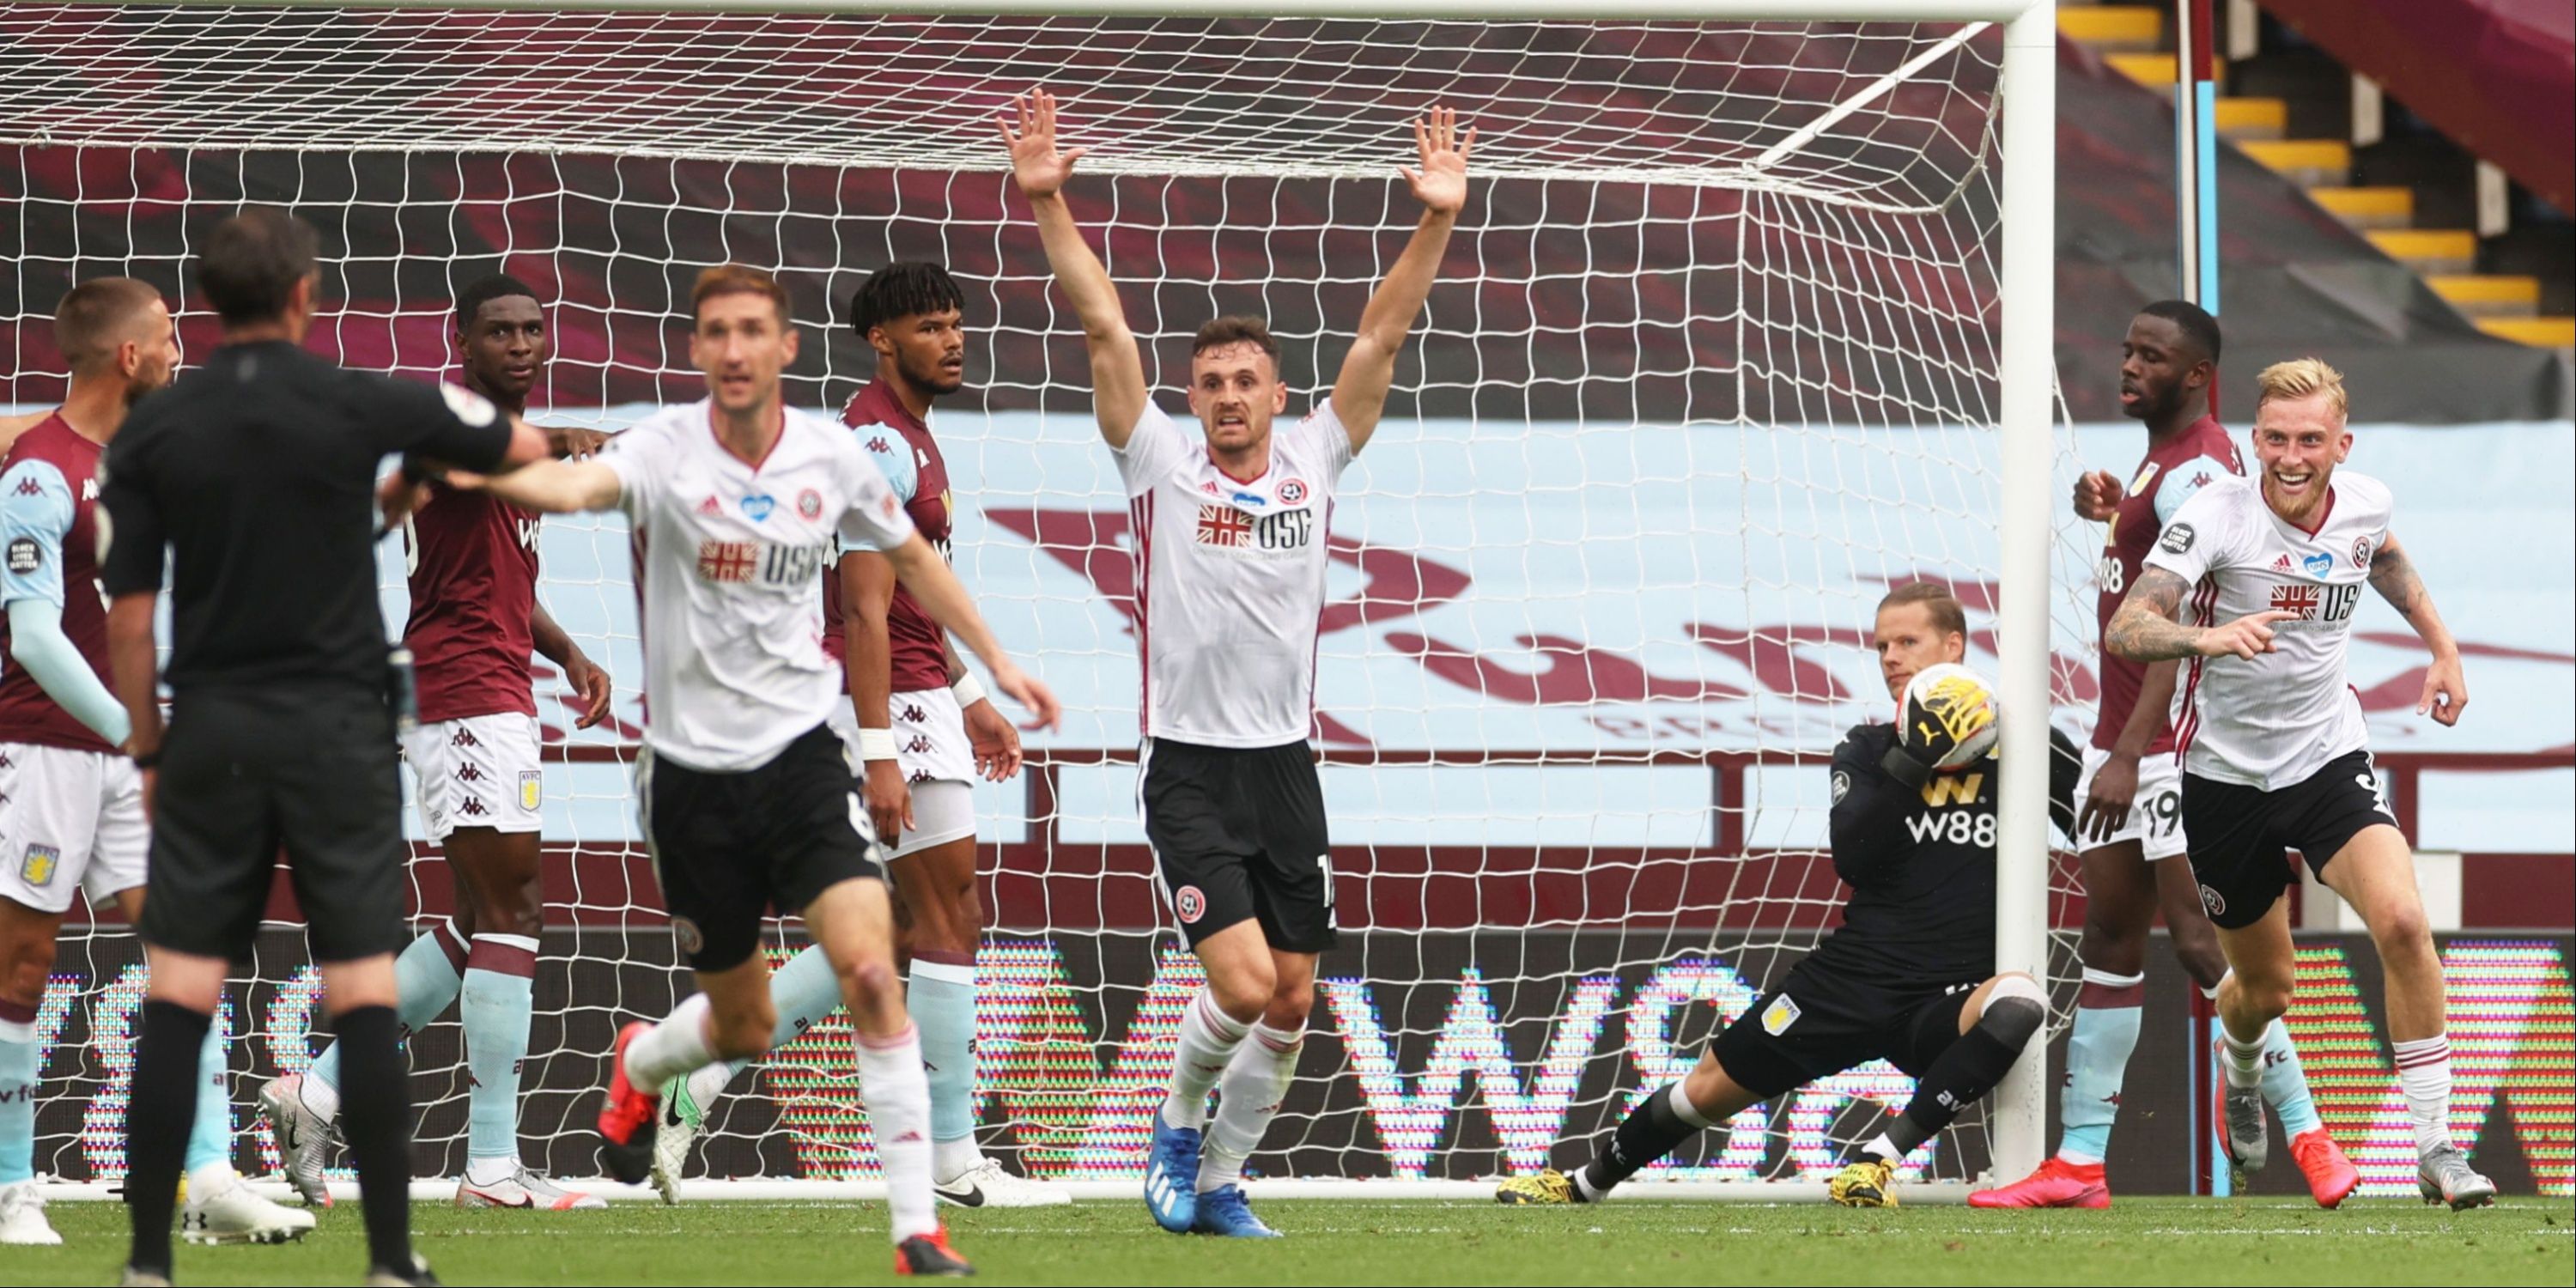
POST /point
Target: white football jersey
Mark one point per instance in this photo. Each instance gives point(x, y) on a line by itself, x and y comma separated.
point(731, 559)
point(2274, 721)
point(1231, 579)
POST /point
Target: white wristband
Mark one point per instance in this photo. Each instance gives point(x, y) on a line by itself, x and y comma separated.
point(876, 744)
point(969, 690)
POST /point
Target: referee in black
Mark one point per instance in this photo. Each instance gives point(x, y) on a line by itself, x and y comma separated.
point(254, 479)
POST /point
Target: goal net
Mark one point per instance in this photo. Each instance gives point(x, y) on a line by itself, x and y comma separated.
point(1712, 363)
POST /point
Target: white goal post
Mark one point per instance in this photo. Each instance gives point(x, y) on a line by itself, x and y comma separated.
point(1801, 175)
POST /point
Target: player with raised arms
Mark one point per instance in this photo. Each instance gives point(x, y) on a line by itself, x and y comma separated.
point(2129, 820)
point(1231, 530)
point(475, 618)
point(2275, 752)
point(746, 795)
point(1909, 977)
point(71, 801)
point(922, 729)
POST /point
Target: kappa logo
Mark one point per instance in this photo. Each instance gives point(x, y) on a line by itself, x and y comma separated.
point(878, 445)
point(1189, 905)
point(472, 808)
point(919, 746)
point(37, 868)
point(913, 714)
point(28, 486)
point(468, 773)
point(464, 738)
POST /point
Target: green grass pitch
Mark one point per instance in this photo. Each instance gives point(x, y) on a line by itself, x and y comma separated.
point(2145, 1241)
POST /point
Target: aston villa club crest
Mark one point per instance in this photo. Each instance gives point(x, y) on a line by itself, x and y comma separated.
point(532, 789)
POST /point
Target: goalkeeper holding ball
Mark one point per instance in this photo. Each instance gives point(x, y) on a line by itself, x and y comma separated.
point(1910, 977)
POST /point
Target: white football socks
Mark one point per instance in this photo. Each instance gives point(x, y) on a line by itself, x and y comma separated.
point(1207, 1044)
point(673, 1047)
point(1248, 1098)
point(897, 1093)
point(2424, 1070)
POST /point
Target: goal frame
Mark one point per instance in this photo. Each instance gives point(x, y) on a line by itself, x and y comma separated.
point(2026, 88)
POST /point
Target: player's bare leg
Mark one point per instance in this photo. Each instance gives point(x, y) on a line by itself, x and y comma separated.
point(2262, 973)
point(500, 909)
point(1242, 1036)
point(940, 913)
point(2375, 873)
point(853, 922)
point(26, 960)
point(2330, 1175)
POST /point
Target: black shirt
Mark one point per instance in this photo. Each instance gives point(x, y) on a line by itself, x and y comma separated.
point(1921, 863)
point(258, 472)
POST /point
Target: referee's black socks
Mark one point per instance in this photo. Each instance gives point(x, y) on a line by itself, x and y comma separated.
point(375, 1120)
point(1961, 1075)
point(162, 1104)
point(1650, 1131)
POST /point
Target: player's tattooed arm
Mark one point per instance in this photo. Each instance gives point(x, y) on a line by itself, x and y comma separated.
point(2446, 687)
point(2144, 630)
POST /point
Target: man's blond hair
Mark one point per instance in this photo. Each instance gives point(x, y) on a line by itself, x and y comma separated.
point(2301, 378)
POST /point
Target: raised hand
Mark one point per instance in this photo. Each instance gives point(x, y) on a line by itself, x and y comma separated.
point(1441, 184)
point(1040, 169)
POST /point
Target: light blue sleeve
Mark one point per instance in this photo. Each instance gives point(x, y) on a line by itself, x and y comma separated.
point(2184, 481)
point(37, 642)
point(892, 453)
point(35, 512)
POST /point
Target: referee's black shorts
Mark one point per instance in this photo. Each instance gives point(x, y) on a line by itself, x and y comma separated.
point(729, 846)
point(1239, 835)
point(247, 772)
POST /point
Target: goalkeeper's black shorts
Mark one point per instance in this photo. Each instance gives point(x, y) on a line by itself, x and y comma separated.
point(1825, 1018)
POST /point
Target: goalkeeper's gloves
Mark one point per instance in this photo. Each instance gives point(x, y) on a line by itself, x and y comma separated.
point(1944, 723)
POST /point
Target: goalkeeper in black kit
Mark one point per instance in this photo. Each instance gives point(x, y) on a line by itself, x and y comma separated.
point(1910, 976)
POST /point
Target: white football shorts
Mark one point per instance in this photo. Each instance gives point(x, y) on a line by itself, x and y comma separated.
point(481, 771)
point(931, 749)
point(69, 820)
point(2155, 813)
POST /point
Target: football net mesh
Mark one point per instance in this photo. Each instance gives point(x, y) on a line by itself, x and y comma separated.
point(1711, 364)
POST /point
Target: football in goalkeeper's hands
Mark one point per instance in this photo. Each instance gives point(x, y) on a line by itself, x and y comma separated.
point(1947, 720)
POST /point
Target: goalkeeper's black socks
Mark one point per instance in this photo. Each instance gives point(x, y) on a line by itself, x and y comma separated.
point(375, 1120)
point(161, 1108)
point(1961, 1076)
point(1651, 1130)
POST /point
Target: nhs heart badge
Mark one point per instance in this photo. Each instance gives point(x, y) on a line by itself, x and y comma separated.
point(759, 505)
point(2319, 564)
